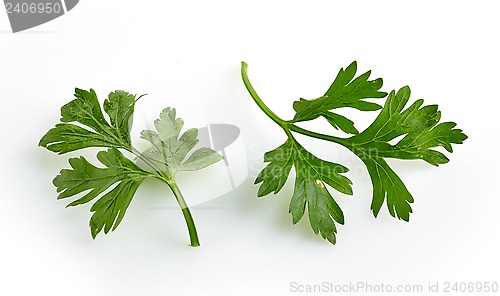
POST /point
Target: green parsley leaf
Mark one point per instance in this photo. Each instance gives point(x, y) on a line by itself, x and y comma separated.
point(312, 174)
point(340, 122)
point(111, 206)
point(85, 109)
point(345, 91)
point(170, 150)
point(418, 126)
point(116, 183)
point(274, 176)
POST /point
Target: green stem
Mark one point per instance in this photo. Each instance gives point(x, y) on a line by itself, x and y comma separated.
point(257, 99)
point(329, 138)
point(286, 125)
point(193, 235)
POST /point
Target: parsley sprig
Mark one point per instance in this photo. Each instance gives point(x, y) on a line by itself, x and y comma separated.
point(418, 126)
point(84, 125)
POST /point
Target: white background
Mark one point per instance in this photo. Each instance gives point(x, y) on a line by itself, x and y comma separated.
point(187, 54)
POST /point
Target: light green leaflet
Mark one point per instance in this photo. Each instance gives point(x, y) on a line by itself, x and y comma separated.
point(115, 184)
point(169, 150)
point(418, 126)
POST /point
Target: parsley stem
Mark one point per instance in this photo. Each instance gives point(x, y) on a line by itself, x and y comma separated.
point(257, 99)
point(341, 141)
point(193, 235)
point(286, 125)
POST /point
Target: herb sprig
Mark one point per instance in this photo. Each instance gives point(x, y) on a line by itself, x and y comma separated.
point(418, 125)
point(84, 125)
